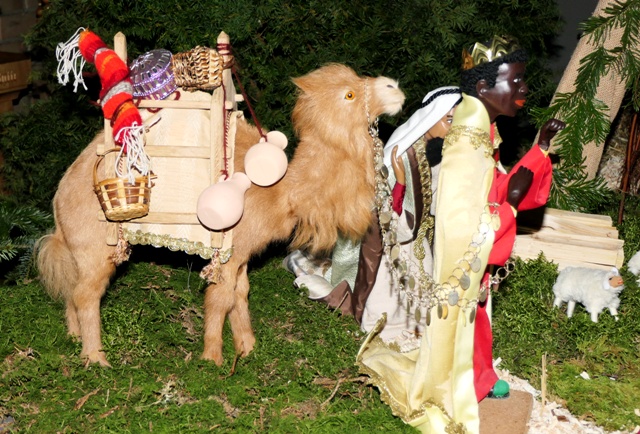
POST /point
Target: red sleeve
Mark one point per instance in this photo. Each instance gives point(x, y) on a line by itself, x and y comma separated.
point(540, 164)
point(398, 197)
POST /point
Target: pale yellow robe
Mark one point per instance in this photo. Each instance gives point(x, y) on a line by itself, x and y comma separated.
point(432, 387)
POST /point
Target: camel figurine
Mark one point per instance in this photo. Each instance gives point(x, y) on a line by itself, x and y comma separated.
point(328, 190)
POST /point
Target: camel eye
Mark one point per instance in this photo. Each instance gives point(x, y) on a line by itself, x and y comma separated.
point(349, 95)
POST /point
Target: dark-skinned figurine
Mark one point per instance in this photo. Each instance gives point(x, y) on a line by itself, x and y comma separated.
point(436, 388)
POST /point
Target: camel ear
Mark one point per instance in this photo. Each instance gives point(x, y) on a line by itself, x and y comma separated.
point(296, 81)
point(299, 82)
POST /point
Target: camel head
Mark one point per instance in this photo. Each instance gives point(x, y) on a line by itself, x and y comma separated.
point(330, 181)
point(337, 104)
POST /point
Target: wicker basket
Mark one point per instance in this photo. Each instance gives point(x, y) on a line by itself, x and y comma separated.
point(119, 199)
point(198, 69)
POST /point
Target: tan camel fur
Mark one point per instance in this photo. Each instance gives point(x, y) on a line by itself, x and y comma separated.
point(327, 190)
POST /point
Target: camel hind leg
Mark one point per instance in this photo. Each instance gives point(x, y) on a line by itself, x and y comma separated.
point(239, 317)
point(71, 314)
point(84, 304)
point(82, 300)
point(79, 273)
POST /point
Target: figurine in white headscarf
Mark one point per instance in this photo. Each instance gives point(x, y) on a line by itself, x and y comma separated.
point(414, 151)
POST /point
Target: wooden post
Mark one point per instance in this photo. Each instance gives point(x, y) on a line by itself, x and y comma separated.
point(120, 47)
point(217, 122)
point(633, 148)
point(231, 99)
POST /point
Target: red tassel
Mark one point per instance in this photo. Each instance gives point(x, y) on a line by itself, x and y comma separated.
point(116, 93)
point(111, 105)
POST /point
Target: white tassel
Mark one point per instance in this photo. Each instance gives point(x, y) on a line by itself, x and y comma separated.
point(132, 140)
point(70, 60)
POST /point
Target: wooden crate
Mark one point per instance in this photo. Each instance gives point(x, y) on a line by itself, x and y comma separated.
point(186, 167)
point(571, 239)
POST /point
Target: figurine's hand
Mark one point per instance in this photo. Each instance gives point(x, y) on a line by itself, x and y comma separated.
point(548, 132)
point(518, 186)
point(398, 166)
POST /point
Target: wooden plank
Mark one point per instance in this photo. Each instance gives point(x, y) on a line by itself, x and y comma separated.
point(562, 264)
point(174, 104)
point(178, 151)
point(528, 248)
point(588, 219)
point(572, 239)
point(551, 236)
point(575, 226)
point(163, 218)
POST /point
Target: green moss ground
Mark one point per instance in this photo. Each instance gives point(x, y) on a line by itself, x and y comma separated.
point(152, 331)
point(301, 376)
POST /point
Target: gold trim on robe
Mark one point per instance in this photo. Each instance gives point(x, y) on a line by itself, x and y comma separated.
point(432, 387)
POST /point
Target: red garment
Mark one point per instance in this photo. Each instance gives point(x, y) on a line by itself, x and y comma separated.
point(539, 163)
point(397, 194)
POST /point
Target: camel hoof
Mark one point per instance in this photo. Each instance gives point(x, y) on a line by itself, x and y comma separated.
point(96, 356)
point(213, 356)
point(245, 347)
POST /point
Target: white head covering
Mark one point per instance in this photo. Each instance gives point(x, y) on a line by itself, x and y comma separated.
point(422, 120)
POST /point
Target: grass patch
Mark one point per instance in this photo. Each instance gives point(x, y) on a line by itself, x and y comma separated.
point(526, 326)
point(301, 376)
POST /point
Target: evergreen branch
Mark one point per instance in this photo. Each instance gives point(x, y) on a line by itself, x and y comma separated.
point(593, 66)
point(7, 251)
point(572, 191)
point(631, 27)
point(598, 28)
point(20, 226)
point(587, 117)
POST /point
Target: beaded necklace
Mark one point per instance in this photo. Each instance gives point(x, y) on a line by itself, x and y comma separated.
point(413, 284)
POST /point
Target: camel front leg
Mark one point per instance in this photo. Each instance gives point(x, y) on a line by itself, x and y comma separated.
point(218, 302)
point(239, 317)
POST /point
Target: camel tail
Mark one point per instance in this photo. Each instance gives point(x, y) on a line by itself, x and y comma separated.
point(57, 268)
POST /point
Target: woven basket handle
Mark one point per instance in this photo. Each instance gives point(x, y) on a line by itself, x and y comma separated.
point(98, 160)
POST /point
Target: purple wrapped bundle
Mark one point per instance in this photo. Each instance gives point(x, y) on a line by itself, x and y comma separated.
point(152, 75)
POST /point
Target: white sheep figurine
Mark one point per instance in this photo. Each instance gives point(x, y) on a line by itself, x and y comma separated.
point(594, 288)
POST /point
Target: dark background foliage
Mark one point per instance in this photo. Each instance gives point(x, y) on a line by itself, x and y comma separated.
point(290, 382)
point(418, 42)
